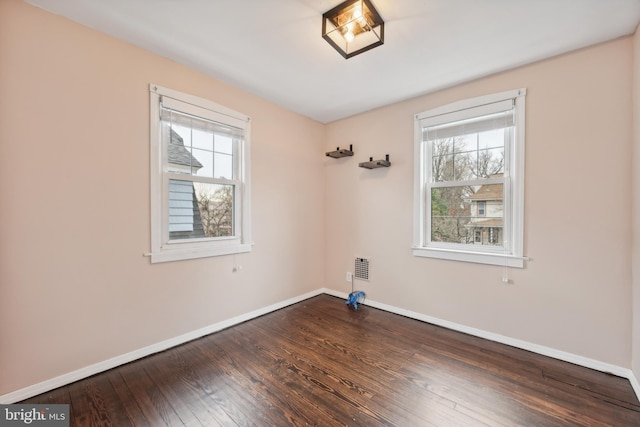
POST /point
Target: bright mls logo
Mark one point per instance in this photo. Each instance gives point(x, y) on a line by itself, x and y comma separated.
point(34, 415)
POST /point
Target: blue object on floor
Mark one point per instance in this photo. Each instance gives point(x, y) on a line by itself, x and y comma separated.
point(354, 298)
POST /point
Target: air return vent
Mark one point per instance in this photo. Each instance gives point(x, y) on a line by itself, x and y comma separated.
point(362, 269)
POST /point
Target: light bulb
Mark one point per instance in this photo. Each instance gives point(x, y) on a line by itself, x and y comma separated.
point(359, 17)
point(357, 13)
point(348, 36)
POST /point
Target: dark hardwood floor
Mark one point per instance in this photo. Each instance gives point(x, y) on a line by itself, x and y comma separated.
point(320, 363)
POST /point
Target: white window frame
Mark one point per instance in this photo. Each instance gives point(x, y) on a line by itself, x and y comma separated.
point(162, 249)
point(511, 255)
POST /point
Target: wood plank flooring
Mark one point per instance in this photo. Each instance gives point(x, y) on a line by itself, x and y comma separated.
point(318, 363)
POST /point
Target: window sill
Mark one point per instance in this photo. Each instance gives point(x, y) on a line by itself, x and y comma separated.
point(193, 253)
point(475, 257)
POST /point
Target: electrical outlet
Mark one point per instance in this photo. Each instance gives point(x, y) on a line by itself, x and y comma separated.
point(349, 277)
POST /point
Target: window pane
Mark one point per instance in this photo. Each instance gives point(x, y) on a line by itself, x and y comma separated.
point(183, 222)
point(442, 168)
point(491, 139)
point(467, 214)
point(487, 211)
point(183, 134)
point(224, 144)
point(197, 147)
point(450, 162)
point(202, 139)
point(198, 210)
point(490, 162)
point(204, 163)
point(450, 214)
point(464, 143)
point(216, 205)
point(223, 166)
point(469, 156)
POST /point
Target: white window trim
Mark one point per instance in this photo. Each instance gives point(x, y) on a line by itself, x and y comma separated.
point(468, 253)
point(174, 251)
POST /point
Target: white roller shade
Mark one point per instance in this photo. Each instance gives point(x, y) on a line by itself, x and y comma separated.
point(188, 115)
point(497, 115)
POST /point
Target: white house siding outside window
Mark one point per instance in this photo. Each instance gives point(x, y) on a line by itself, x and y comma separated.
point(469, 180)
point(200, 185)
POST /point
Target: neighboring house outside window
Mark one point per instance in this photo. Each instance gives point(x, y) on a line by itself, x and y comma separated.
point(185, 221)
point(200, 186)
point(469, 180)
point(487, 209)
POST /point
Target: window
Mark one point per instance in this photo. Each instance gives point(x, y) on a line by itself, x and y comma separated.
point(200, 190)
point(481, 208)
point(469, 180)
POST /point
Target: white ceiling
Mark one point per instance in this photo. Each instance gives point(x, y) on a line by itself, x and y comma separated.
point(274, 48)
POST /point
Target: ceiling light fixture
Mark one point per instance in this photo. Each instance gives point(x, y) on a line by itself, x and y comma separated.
point(353, 27)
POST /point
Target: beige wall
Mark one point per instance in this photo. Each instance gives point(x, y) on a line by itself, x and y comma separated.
point(74, 217)
point(635, 254)
point(574, 295)
point(75, 289)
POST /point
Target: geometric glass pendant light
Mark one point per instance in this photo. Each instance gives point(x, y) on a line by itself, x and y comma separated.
point(353, 27)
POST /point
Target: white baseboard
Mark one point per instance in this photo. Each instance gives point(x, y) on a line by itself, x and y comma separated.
point(88, 371)
point(68, 378)
point(535, 348)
